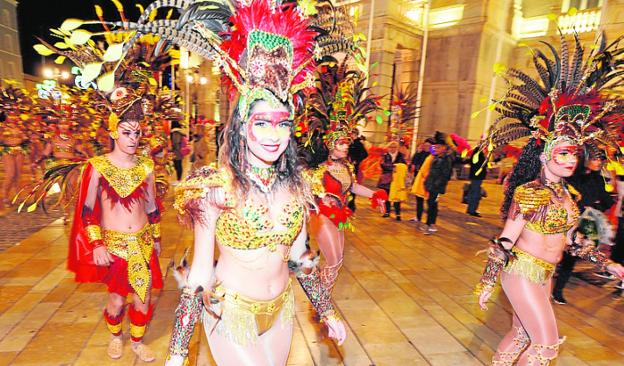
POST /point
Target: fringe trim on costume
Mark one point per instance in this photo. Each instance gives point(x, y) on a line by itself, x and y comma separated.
point(239, 317)
point(530, 267)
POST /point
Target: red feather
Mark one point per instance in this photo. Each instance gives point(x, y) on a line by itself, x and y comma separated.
point(284, 20)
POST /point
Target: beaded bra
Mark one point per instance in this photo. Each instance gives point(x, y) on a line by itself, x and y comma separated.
point(544, 213)
point(249, 226)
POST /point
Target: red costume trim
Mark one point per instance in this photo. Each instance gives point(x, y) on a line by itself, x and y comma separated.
point(127, 202)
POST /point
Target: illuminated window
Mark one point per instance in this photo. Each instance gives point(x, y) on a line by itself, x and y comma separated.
point(566, 5)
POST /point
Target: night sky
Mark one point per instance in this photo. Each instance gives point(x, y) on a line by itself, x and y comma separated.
point(36, 17)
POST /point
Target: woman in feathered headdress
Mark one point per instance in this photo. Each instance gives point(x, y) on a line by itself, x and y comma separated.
point(335, 108)
point(254, 205)
point(568, 107)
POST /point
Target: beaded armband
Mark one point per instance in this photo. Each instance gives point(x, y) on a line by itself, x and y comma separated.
point(498, 257)
point(319, 296)
point(187, 313)
point(591, 254)
point(154, 220)
point(94, 233)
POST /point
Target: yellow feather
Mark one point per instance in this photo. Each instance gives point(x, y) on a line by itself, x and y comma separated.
point(118, 5)
point(99, 11)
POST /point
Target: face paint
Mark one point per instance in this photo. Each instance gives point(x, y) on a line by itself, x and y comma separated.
point(129, 134)
point(267, 125)
point(563, 155)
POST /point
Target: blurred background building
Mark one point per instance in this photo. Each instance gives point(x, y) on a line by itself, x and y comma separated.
point(467, 42)
point(10, 54)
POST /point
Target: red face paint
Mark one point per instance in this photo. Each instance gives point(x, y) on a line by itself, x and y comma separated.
point(563, 155)
point(259, 122)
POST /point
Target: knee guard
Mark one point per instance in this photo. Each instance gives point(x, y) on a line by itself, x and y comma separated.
point(520, 341)
point(536, 355)
point(138, 322)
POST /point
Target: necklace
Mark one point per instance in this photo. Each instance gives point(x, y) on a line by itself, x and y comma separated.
point(556, 187)
point(263, 178)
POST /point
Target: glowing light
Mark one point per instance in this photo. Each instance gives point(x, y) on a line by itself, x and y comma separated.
point(48, 73)
point(531, 27)
point(189, 78)
point(64, 75)
point(438, 18)
point(203, 80)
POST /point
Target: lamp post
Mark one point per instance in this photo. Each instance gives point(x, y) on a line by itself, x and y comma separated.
point(193, 79)
point(421, 73)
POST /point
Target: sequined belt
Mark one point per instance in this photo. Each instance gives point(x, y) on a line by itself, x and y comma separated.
point(530, 267)
point(242, 319)
point(136, 248)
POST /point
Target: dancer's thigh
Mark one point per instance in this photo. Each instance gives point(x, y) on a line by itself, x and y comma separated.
point(531, 305)
point(271, 349)
point(329, 239)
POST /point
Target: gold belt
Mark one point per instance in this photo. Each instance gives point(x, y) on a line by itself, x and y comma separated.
point(136, 248)
point(243, 319)
point(530, 267)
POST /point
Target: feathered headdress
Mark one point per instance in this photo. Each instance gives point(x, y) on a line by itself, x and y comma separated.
point(570, 101)
point(339, 101)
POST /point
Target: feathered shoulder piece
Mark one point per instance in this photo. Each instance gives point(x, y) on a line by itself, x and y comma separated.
point(314, 178)
point(572, 99)
point(208, 183)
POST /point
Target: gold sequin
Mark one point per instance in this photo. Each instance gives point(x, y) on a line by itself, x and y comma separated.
point(123, 180)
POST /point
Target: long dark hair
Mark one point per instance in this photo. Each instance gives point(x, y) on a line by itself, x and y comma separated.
point(233, 156)
point(527, 169)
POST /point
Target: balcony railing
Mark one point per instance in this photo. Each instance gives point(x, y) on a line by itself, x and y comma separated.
point(582, 21)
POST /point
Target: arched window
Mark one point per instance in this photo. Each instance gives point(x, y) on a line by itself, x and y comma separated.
point(6, 18)
point(8, 43)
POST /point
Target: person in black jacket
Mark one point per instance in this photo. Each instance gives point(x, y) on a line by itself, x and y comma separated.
point(437, 180)
point(357, 153)
point(591, 186)
point(393, 156)
point(478, 171)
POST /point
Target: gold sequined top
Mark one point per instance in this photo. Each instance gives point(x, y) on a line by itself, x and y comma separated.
point(543, 207)
point(123, 180)
point(246, 226)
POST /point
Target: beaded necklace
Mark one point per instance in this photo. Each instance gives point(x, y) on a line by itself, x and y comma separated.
point(263, 178)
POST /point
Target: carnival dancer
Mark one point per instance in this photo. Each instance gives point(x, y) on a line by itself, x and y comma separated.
point(115, 237)
point(566, 110)
point(64, 148)
point(254, 206)
point(13, 148)
point(333, 217)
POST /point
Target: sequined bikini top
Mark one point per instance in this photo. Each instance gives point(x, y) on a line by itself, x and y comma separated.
point(543, 207)
point(249, 226)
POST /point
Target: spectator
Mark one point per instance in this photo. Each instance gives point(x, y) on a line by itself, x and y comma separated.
point(590, 184)
point(200, 147)
point(419, 157)
point(478, 171)
point(357, 153)
point(398, 193)
point(617, 254)
point(437, 180)
point(393, 156)
point(177, 137)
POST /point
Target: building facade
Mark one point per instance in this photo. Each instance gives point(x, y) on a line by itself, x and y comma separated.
point(10, 53)
point(468, 43)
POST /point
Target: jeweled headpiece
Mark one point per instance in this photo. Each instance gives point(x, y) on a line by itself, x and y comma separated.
point(572, 99)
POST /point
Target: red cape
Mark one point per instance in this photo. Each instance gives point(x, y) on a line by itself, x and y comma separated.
point(80, 257)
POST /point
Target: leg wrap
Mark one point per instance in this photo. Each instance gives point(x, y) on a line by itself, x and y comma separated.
point(329, 275)
point(113, 322)
point(536, 355)
point(520, 341)
point(138, 322)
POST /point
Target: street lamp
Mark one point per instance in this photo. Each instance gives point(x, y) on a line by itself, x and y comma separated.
point(55, 73)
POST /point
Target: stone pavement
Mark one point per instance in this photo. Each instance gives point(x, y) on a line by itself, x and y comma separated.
point(406, 298)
